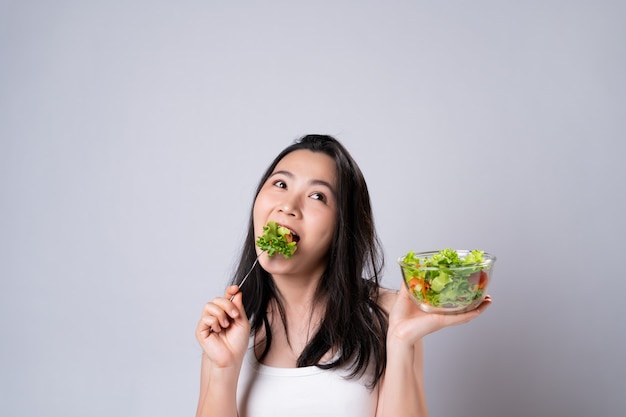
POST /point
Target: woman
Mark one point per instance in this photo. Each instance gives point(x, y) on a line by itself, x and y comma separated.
point(315, 334)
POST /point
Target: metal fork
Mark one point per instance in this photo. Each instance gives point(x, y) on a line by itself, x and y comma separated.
point(245, 277)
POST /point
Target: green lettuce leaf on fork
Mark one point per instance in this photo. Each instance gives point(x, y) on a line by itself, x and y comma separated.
point(277, 239)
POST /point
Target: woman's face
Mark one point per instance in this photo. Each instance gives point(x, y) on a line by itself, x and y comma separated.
point(300, 194)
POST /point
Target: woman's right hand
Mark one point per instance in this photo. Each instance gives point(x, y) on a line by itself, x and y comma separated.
point(224, 330)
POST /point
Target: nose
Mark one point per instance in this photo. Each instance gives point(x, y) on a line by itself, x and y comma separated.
point(289, 206)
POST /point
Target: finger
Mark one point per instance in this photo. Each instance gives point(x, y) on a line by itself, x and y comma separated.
point(231, 291)
point(404, 301)
point(471, 315)
point(204, 330)
point(228, 307)
point(238, 303)
point(485, 304)
point(216, 312)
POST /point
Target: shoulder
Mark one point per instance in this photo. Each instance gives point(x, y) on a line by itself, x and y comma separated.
point(387, 298)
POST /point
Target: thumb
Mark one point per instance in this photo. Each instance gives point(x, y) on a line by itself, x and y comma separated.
point(238, 302)
point(405, 300)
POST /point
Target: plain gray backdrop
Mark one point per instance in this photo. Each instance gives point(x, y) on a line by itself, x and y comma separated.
point(133, 133)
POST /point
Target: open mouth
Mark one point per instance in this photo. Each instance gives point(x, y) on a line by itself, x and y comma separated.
point(294, 237)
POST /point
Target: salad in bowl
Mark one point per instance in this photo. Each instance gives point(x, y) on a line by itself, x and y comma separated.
point(447, 281)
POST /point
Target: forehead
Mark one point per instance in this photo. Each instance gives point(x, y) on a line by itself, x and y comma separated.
point(309, 165)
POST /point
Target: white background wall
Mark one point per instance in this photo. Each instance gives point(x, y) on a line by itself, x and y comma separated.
point(132, 135)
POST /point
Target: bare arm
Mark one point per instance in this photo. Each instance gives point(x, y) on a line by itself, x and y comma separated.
point(223, 333)
point(402, 388)
point(218, 390)
point(402, 392)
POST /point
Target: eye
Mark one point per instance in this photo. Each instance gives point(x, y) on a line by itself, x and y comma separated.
point(319, 196)
point(280, 184)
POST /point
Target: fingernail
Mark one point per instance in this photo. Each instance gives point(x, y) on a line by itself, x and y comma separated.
point(234, 312)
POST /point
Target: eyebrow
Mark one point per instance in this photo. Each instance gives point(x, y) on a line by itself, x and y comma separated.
point(312, 182)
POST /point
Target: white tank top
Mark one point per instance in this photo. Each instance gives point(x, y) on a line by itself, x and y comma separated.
point(266, 391)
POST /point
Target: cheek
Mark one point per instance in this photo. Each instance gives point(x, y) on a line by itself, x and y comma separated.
point(325, 227)
point(259, 213)
point(264, 199)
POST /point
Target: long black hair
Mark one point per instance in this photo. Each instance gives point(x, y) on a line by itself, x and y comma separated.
point(354, 325)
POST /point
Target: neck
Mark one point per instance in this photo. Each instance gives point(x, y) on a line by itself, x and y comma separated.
point(298, 297)
point(303, 313)
point(297, 293)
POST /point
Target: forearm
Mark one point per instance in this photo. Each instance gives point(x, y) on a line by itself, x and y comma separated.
point(218, 391)
point(402, 388)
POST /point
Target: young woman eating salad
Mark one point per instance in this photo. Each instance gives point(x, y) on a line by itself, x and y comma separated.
point(314, 333)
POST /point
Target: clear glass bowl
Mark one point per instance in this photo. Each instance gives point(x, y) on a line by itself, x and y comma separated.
point(465, 286)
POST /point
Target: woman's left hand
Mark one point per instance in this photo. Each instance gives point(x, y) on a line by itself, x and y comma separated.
point(407, 323)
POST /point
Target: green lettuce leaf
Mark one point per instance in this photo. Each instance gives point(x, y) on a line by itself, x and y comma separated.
point(276, 239)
